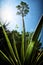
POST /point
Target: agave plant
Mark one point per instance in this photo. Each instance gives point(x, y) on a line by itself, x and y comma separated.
point(23, 10)
point(31, 56)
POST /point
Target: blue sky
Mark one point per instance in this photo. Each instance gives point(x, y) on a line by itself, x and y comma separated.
point(32, 18)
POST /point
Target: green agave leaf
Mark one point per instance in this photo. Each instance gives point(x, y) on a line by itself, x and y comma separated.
point(9, 45)
point(39, 56)
point(39, 60)
point(11, 60)
point(15, 49)
point(29, 50)
point(22, 49)
point(5, 57)
point(38, 29)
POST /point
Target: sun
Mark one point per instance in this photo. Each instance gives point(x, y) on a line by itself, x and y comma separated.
point(8, 13)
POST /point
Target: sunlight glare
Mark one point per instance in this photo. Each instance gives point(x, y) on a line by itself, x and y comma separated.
point(8, 14)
